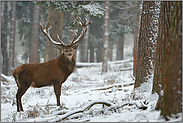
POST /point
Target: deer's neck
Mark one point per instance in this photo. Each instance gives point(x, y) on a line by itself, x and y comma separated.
point(68, 65)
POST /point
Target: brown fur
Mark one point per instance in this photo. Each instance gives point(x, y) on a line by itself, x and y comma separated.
point(54, 72)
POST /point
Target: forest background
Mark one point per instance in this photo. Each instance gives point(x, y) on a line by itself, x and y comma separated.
point(157, 47)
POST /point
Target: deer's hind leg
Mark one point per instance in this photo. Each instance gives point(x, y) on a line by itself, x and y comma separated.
point(20, 92)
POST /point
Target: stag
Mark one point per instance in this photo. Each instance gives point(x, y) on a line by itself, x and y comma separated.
point(54, 72)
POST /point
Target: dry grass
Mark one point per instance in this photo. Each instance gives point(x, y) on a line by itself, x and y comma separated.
point(35, 111)
point(110, 80)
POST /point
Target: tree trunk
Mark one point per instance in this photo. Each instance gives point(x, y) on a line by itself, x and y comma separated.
point(51, 50)
point(85, 45)
point(106, 37)
point(172, 98)
point(120, 47)
point(71, 35)
point(71, 32)
point(92, 56)
point(35, 34)
point(162, 42)
point(136, 34)
point(110, 54)
point(12, 38)
point(4, 32)
point(146, 43)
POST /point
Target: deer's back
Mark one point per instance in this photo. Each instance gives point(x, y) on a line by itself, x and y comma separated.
point(40, 74)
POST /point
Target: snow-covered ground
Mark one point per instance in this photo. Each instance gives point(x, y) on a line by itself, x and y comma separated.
point(84, 87)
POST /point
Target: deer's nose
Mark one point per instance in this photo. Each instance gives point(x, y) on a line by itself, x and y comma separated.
point(69, 54)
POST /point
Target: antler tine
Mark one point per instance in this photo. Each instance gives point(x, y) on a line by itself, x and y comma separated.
point(46, 32)
point(80, 21)
point(85, 19)
point(58, 36)
point(83, 30)
point(88, 23)
point(46, 24)
point(75, 36)
point(81, 36)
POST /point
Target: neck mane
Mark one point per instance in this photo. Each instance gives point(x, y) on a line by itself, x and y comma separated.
point(66, 64)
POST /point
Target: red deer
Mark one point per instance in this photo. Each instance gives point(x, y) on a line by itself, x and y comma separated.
point(54, 72)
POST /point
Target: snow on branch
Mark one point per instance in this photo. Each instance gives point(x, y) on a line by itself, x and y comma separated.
point(114, 86)
point(79, 112)
point(62, 117)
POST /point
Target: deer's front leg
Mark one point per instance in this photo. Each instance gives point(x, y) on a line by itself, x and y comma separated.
point(57, 89)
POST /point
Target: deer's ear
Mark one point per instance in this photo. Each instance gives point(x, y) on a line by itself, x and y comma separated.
point(75, 46)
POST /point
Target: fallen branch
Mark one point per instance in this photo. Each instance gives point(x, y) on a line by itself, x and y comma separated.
point(114, 86)
point(64, 116)
point(125, 69)
point(78, 112)
point(81, 64)
point(88, 106)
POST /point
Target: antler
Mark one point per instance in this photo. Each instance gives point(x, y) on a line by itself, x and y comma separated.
point(47, 33)
point(83, 30)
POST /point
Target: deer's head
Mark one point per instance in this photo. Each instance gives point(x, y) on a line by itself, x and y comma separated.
point(68, 50)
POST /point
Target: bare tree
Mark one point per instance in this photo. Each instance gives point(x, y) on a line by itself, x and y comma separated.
point(106, 37)
point(12, 38)
point(35, 34)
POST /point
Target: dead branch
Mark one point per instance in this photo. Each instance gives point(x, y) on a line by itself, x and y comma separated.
point(86, 107)
point(4, 80)
point(111, 107)
point(118, 85)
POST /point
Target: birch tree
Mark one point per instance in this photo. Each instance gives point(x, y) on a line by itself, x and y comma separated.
point(106, 37)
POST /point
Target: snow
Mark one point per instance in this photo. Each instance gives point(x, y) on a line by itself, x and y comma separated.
point(83, 88)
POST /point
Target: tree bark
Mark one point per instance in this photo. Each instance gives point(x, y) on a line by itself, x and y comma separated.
point(136, 34)
point(120, 47)
point(4, 32)
point(106, 37)
point(84, 50)
point(51, 50)
point(172, 98)
point(12, 38)
point(35, 34)
point(146, 43)
point(92, 56)
point(161, 49)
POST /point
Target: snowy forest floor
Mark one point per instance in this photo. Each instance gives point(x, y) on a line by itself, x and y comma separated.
point(86, 96)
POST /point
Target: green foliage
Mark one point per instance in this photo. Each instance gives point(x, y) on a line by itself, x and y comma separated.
point(93, 9)
point(76, 8)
